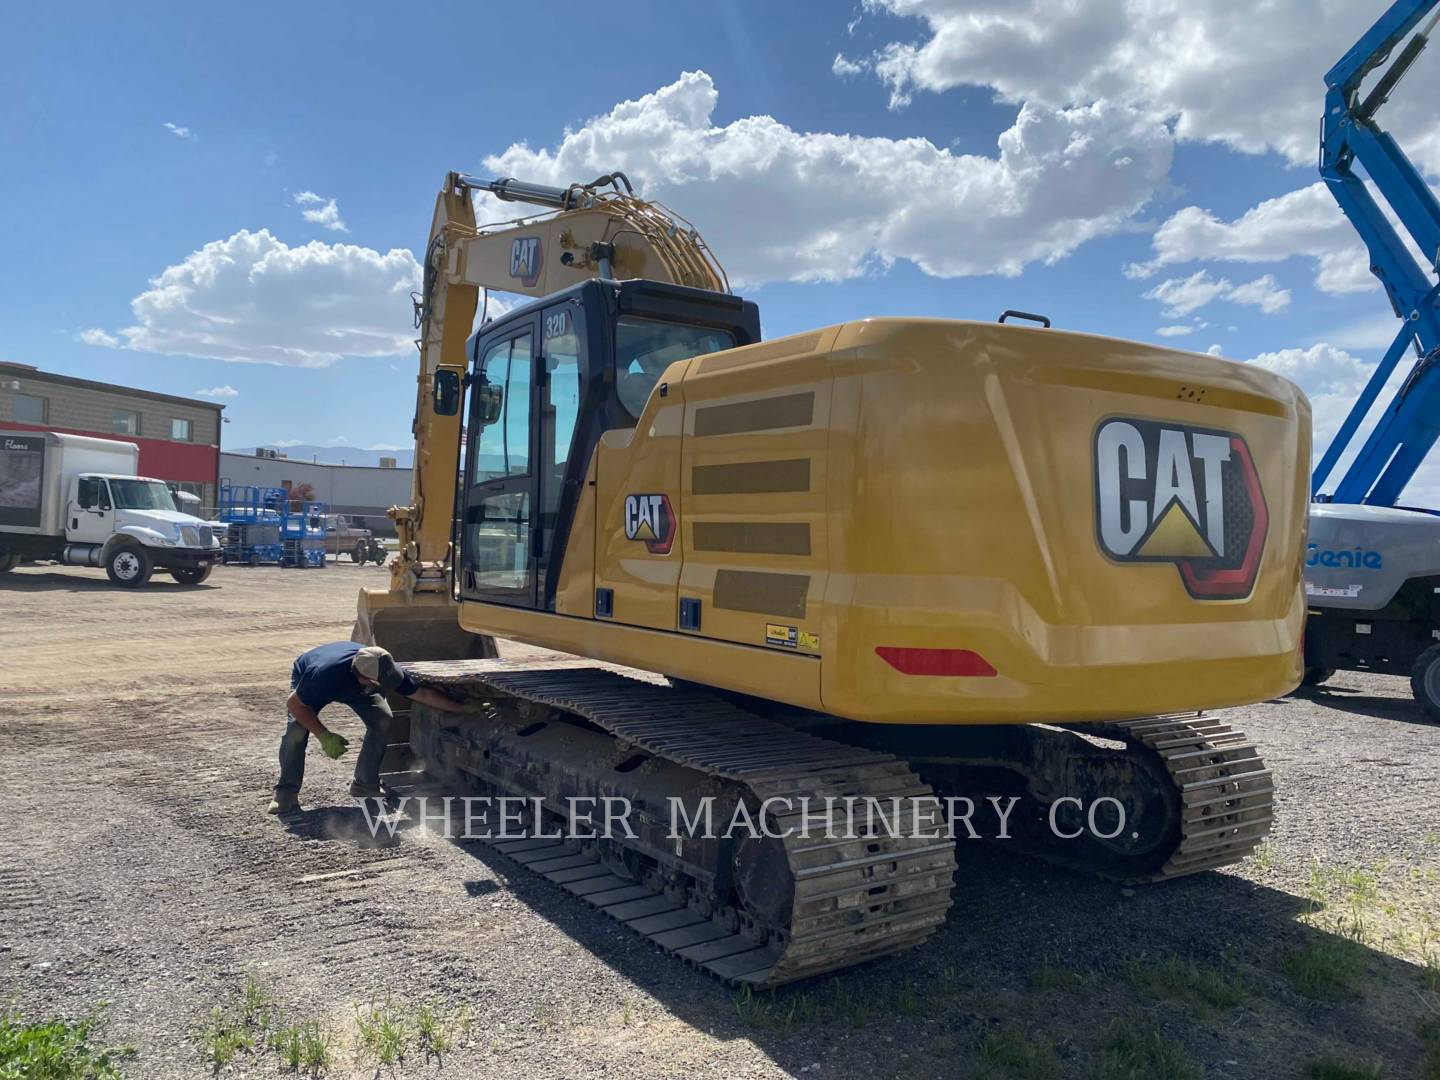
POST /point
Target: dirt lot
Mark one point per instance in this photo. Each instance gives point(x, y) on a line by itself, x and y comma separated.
point(138, 868)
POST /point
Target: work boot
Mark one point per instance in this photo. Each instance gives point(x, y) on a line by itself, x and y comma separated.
point(284, 803)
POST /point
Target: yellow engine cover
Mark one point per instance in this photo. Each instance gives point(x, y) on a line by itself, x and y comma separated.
point(927, 521)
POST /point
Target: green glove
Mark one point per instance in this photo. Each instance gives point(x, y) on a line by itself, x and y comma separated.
point(333, 745)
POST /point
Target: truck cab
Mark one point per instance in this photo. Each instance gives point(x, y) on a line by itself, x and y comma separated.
point(104, 507)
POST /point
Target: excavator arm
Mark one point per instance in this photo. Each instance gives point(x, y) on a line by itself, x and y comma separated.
point(601, 229)
point(1350, 134)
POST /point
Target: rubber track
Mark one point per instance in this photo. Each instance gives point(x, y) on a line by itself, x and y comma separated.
point(855, 899)
point(1227, 795)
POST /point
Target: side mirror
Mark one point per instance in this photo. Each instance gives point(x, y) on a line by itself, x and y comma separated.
point(489, 400)
point(447, 392)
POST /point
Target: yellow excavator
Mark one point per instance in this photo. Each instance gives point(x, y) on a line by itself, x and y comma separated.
point(989, 568)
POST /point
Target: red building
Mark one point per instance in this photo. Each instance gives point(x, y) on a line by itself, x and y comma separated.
point(179, 438)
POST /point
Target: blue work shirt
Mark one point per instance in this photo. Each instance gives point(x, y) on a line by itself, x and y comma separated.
point(323, 676)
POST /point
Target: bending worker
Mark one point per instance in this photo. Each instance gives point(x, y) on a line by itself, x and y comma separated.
point(348, 674)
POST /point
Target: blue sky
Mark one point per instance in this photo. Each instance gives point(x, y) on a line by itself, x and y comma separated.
point(133, 141)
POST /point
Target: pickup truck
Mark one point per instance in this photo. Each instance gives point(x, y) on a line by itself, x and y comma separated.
point(344, 536)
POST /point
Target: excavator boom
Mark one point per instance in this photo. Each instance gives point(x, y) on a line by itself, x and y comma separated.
point(584, 231)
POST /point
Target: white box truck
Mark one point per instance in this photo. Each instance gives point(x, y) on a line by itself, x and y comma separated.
point(77, 500)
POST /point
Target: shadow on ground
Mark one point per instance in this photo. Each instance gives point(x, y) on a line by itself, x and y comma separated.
point(1346, 699)
point(62, 582)
point(1030, 955)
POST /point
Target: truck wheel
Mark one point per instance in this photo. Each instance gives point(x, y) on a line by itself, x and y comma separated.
point(380, 556)
point(191, 577)
point(254, 560)
point(1316, 676)
point(1425, 681)
point(129, 567)
point(8, 562)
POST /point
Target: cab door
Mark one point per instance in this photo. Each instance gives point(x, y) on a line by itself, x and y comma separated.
point(521, 480)
point(498, 534)
point(92, 515)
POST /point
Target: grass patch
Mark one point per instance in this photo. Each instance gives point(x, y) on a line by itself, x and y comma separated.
point(437, 1032)
point(1136, 1049)
point(1333, 1068)
point(382, 1033)
point(1187, 981)
point(223, 1039)
point(302, 1046)
point(250, 1022)
point(1328, 969)
point(56, 1050)
point(1050, 977)
point(1018, 1055)
point(769, 1010)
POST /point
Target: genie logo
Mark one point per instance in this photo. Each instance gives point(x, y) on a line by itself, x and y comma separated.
point(525, 256)
point(1188, 496)
point(1359, 559)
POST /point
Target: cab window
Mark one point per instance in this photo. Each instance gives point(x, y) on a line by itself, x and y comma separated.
point(94, 495)
point(644, 348)
point(504, 446)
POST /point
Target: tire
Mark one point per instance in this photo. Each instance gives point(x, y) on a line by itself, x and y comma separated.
point(1425, 681)
point(191, 577)
point(8, 561)
point(1316, 676)
point(380, 557)
point(129, 566)
point(359, 554)
point(254, 560)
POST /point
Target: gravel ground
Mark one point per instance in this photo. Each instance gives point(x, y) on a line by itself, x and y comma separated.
point(139, 869)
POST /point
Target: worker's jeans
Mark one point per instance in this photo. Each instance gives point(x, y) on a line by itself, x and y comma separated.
point(377, 716)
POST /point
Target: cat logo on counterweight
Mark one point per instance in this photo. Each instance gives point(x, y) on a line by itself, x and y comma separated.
point(1189, 496)
point(649, 518)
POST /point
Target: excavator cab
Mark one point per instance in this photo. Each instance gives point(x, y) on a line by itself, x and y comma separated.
point(546, 381)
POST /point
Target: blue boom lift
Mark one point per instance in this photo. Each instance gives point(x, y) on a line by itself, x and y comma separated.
point(1350, 134)
point(1372, 575)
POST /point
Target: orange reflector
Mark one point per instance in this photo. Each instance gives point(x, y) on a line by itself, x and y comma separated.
point(936, 661)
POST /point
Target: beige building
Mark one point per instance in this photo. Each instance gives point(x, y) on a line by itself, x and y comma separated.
point(179, 438)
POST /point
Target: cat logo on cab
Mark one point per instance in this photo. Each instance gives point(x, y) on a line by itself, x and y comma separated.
point(1189, 496)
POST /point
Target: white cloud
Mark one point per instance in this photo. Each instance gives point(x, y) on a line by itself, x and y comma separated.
point(218, 392)
point(1229, 71)
point(180, 132)
point(283, 444)
point(845, 67)
point(1181, 296)
point(95, 336)
point(1303, 222)
point(1215, 350)
point(323, 212)
point(779, 204)
point(1264, 293)
point(253, 298)
point(1174, 331)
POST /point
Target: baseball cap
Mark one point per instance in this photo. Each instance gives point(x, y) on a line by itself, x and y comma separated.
point(375, 663)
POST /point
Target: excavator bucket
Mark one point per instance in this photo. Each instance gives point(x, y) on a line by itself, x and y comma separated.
point(417, 626)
